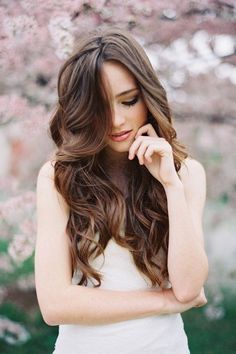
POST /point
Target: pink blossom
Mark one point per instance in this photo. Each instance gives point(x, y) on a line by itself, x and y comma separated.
point(13, 209)
point(20, 26)
point(10, 184)
point(26, 282)
point(97, 5)
point(5, 263)
point(12, 332)
point(142, 8)
point(60, 29)
point(35, 122)
point(214, 312)
point(12, 107)
point(21, 248)
point(28, 227)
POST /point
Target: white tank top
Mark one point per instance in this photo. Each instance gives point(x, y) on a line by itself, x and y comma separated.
point(158, 334)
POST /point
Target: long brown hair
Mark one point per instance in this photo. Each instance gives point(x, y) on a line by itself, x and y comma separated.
point(79, 127)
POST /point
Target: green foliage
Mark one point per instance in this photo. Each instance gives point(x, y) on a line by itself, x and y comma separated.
point(42, 336)
point(215, 158)
point(23, 269)
point(3, 245)
point(224, 198)
point(212, 336)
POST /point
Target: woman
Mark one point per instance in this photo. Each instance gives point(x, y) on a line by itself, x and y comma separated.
point(120, 250)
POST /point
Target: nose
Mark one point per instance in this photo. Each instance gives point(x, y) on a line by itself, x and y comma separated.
point(118, 118)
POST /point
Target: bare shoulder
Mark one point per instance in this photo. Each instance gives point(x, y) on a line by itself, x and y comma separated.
point(46, 188)
point(47, 169)
point(193, 177)
point(191, 168)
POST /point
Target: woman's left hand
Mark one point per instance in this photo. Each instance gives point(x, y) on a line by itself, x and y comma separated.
point(156, 155)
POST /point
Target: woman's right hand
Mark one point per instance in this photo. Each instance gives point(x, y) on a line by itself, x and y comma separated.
point(172, 305)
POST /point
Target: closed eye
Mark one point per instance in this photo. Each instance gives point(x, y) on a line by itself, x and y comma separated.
point(131, 103)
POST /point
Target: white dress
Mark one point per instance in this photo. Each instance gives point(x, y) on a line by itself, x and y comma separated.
point(158, 334)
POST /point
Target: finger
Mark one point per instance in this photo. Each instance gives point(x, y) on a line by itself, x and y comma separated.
point(141, 151)
point(133, 148)
point(149, 152)
point(148, 129)
point(162, 147)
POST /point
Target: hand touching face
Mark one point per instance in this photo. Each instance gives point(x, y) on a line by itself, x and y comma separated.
point(155, 153)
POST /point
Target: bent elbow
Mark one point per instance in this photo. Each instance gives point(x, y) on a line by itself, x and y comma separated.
point(53, 308)
point(189, 294)
point(50, 316)
point(184, 297)
point(49, 319)
point(190, 291)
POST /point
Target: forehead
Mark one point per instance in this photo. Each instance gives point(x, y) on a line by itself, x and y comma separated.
point(117, 78)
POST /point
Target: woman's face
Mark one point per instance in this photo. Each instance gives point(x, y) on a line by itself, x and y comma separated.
point(130, 111)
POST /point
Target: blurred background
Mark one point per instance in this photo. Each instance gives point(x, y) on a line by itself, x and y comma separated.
point(192, 46)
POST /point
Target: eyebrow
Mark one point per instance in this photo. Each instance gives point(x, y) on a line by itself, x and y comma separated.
point(127, 91)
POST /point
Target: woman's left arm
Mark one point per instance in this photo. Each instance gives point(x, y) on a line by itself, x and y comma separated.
point(187, 260)
point(186, 193)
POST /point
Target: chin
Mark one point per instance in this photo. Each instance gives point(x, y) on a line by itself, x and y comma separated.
point(121, 149)
point(120, 146)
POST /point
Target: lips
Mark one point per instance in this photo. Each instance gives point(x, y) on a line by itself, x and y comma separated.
point(121, 136)
point(121, 133)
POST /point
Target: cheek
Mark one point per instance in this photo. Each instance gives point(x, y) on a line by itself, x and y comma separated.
point(142, 114)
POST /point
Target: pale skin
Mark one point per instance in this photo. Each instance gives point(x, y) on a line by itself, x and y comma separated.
point(187, 261)
point(63, 303)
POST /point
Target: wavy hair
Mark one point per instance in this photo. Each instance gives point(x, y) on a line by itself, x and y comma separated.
point(79, 127)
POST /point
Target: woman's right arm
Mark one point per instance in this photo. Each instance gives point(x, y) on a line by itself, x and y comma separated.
point(62, 302)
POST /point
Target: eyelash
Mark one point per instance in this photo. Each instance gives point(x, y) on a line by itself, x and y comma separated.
point(131, 103)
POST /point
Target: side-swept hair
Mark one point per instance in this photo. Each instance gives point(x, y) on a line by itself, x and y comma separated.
point(79, 128)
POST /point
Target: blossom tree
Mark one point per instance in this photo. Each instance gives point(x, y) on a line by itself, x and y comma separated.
point(191, 45)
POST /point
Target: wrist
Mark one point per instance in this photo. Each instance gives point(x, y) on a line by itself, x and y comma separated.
point(177, 185)
point(158, 300)
point(165, 301)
